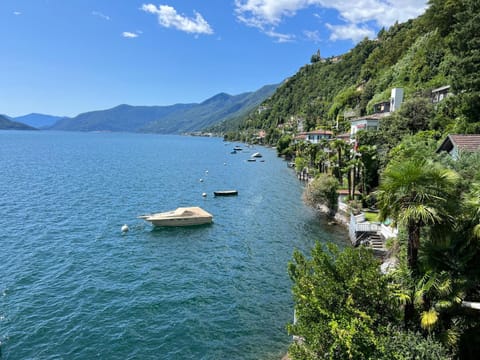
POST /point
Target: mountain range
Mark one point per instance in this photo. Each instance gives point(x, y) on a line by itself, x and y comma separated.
point(39, 121)
point(171, 119)
point(8, 124)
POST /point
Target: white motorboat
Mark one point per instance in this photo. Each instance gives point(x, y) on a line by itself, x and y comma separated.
point(257, 155)
point(183, 216)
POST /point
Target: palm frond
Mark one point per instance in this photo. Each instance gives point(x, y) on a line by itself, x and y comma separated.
point(428, 319)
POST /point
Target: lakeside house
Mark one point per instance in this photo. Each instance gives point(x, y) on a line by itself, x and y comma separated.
point(369, 122)
point(315, 136)
point(456, 144)
point(380, 110)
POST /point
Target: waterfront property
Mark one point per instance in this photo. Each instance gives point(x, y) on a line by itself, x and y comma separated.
point(380, 110)
point(315, 136)
point(369, 122)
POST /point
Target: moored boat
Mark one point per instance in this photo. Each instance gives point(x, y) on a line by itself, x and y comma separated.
point(225, 193)
point(182, 216)
point(257, 155)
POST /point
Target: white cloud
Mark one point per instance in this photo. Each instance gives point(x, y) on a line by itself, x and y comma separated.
point(17, 13)
point(349, 32)
point(129, 35)
point(312, 36)
point(169, 18)
point(281, 38)
point(353, 13)
point(100, 15)
point(259, 13)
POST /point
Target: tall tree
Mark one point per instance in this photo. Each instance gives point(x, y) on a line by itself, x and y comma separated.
point(416, 193)
point(341, 148)
point(342, 303)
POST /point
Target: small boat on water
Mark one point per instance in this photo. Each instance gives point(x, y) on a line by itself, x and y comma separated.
point(237, 148)
point(182, 216)
point(251, 160)
point(225, 193)
point(257, 155)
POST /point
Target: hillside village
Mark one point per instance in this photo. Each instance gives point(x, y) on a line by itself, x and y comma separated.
point(361, 230)
point(387, 138)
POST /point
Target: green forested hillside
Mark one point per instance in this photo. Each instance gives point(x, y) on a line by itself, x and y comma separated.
point(426, 305)
point(214, 110)
point(438, 48)
point(234, 119)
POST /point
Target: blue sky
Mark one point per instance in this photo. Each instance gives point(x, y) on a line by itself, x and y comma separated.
point(65, 57)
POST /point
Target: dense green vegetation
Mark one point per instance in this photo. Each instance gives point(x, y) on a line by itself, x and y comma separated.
point(439, 48)
point(345, 307)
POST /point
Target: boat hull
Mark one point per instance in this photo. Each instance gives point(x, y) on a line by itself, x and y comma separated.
point(179, 222)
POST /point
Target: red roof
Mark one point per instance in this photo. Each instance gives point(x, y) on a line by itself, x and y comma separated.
point(320, 132)
point(466, 142)
point(462, 142)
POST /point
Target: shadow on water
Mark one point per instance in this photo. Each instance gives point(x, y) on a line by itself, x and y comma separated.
point(180, 231)
point(177, 229)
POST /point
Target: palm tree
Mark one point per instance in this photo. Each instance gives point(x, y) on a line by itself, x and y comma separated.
point(416, 193)
point(431, 299)
point(341, 147)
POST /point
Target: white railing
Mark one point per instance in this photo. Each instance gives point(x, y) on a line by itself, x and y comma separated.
point(367, 227)
point(351, 229)
point(388, 232)
point(359, 218)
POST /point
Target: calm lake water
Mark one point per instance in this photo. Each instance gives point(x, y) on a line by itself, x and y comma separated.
point(73, 287)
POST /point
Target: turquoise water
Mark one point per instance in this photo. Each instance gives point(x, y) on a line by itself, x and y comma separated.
point(73, 287)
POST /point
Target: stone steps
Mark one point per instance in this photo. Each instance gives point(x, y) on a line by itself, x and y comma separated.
point(373, 241)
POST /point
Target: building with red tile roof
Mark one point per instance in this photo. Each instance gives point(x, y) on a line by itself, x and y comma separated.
point(455, 144)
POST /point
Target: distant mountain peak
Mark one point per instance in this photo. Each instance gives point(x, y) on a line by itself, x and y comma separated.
point(171, 119)
point(219, 97)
